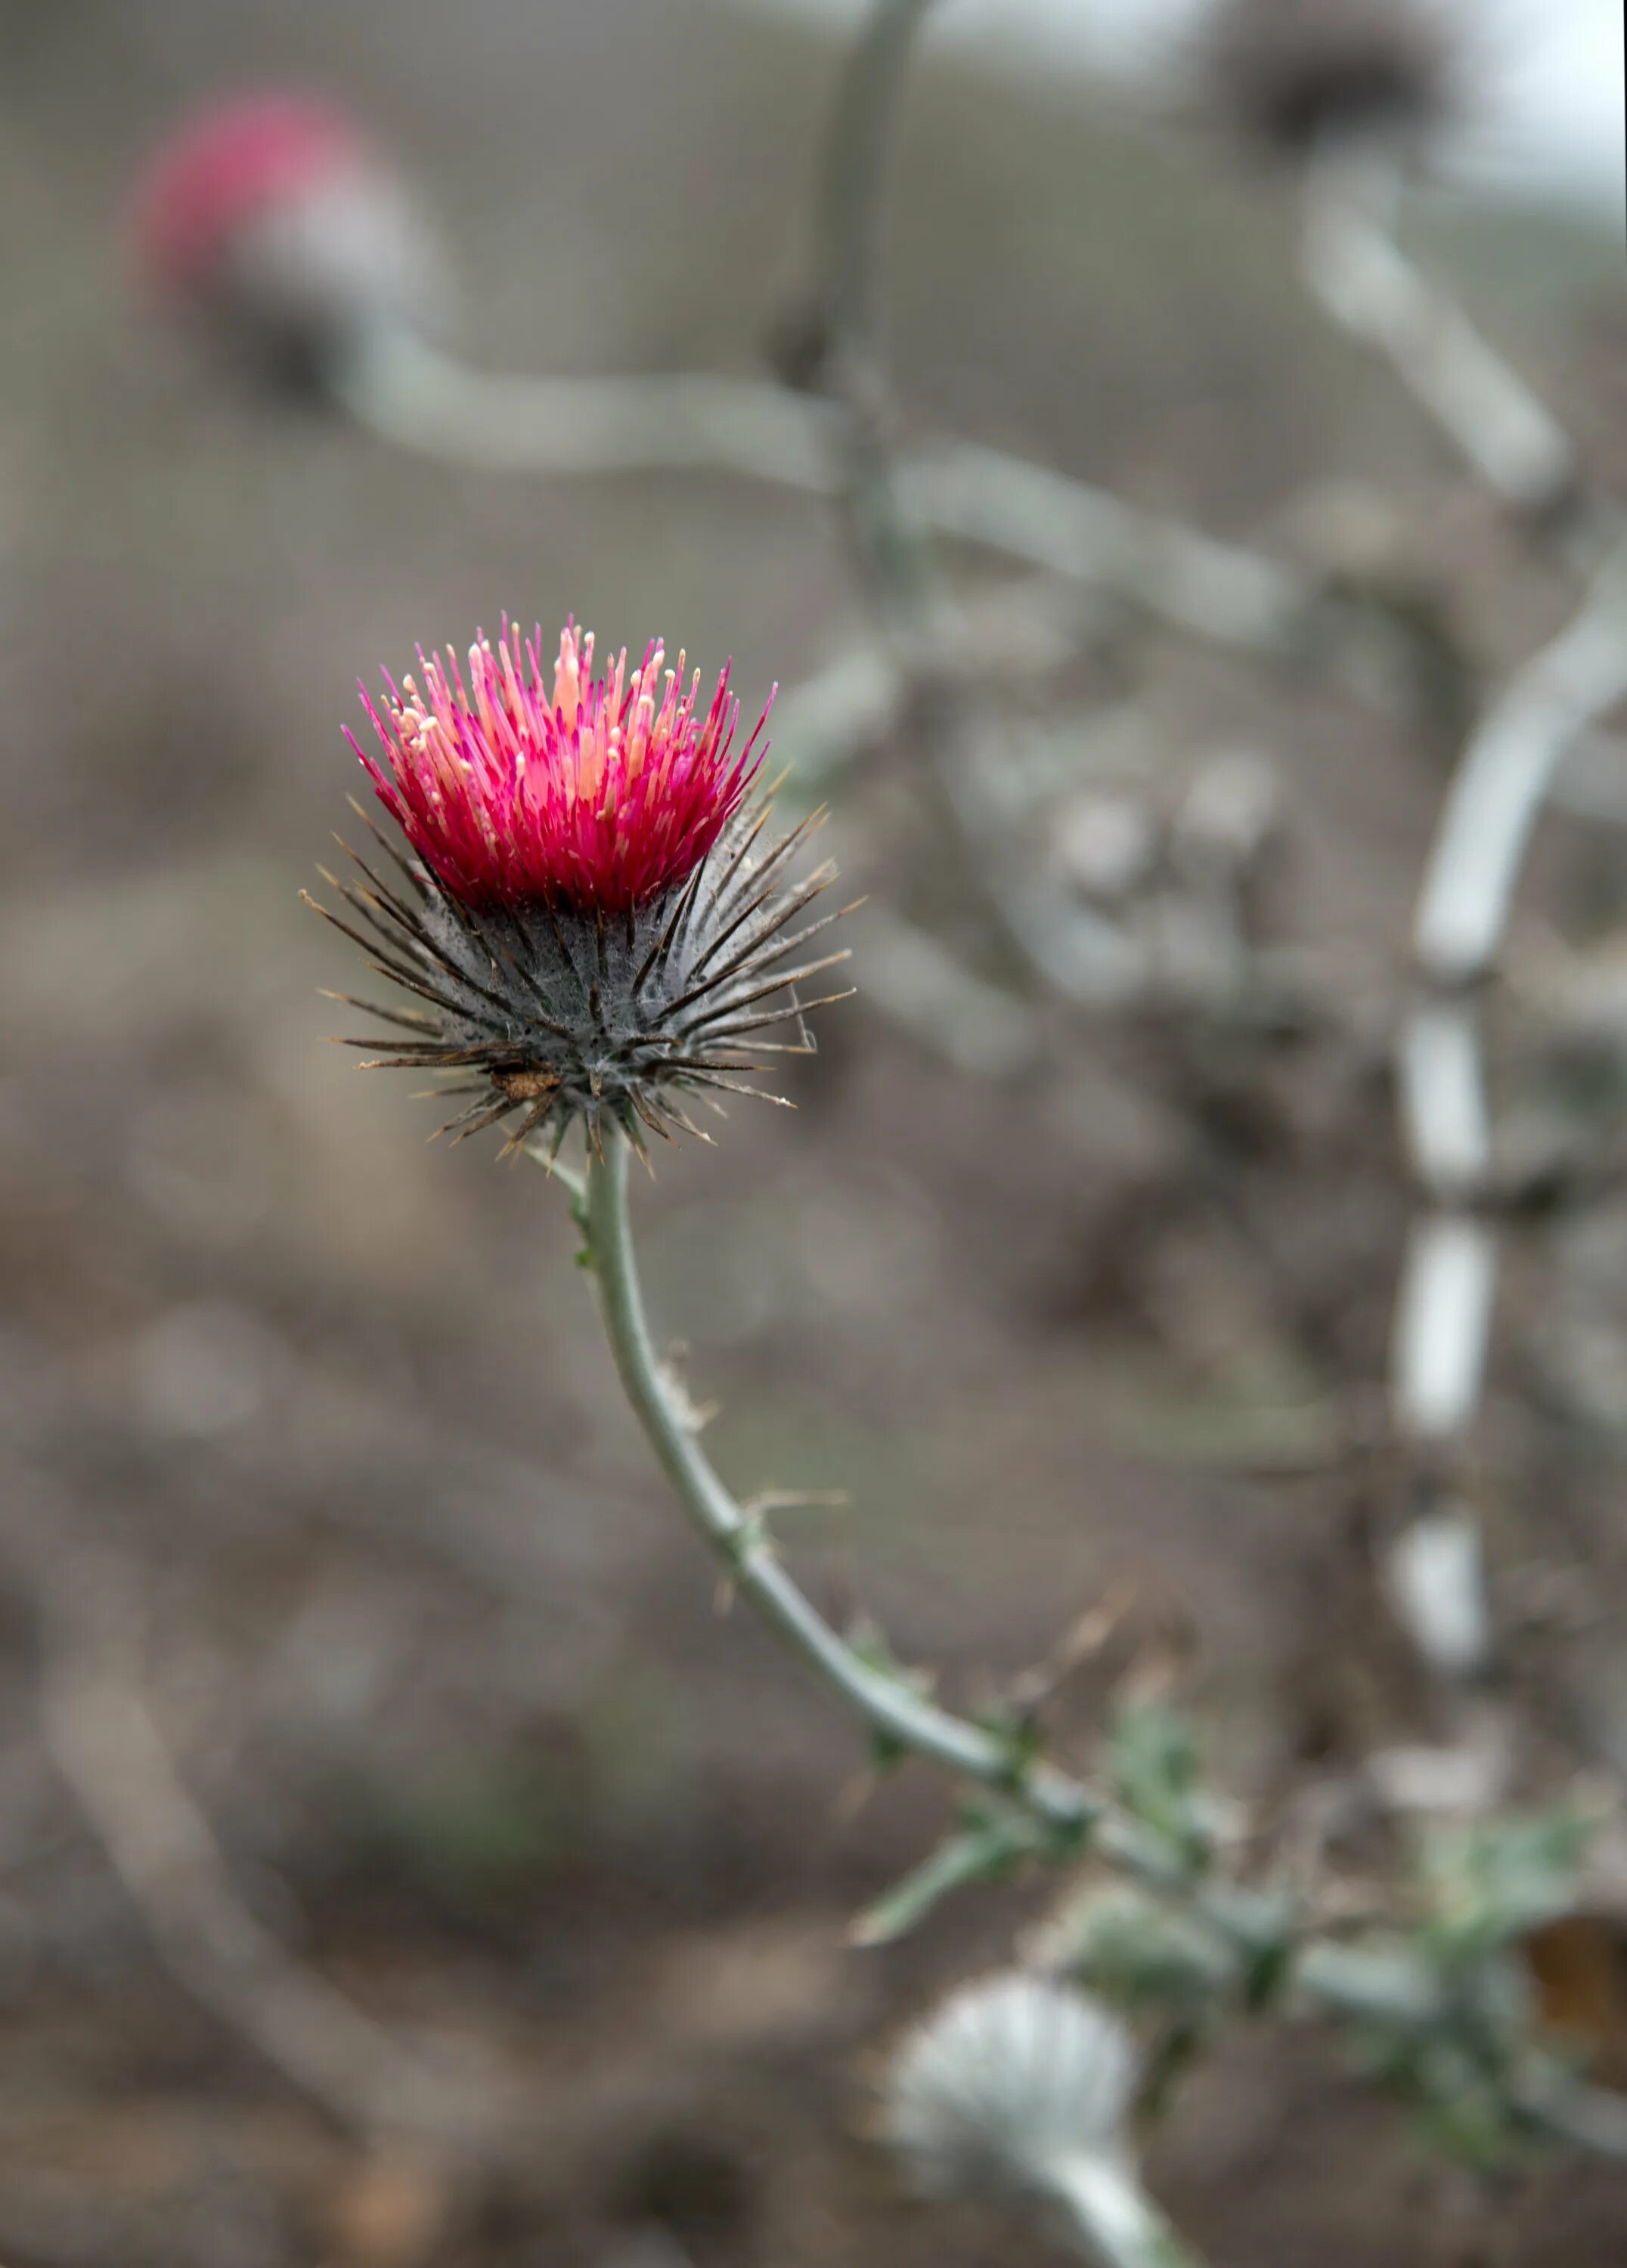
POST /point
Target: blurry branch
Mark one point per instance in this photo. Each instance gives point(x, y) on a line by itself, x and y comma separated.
point(824, 725)
point(407, 391)
point(1353, 265)
point(1084, 958)
point(1449, 1273)
point(1042, 1810)
point(1220, 593)
point(852, 187)
point(411, 394)
point(1497, 792)
point(1022, 628)
point(957, 716)
point(952, 1013)
point(104, 1740)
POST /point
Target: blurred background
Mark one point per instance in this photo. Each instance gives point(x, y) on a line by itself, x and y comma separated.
point(314, 1463)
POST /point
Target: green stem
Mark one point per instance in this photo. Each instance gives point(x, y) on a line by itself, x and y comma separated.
point(1119, 2224)
point(1390, 1986)
point(887, 1705)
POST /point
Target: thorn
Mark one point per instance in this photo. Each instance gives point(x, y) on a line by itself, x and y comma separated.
point(767, 1500)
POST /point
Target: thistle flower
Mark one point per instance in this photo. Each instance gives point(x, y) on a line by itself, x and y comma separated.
point(271, 220)
point(588, 916)
point(1293, 73)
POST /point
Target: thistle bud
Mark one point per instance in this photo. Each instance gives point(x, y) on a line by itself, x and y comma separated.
point(1019, 2088)
point(1012, 2080)
point(272, 223)
point(1294, 73)
point(588, 919)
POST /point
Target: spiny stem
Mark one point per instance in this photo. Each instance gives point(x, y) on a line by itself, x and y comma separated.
point(887, 1705)
point(1336, 1979)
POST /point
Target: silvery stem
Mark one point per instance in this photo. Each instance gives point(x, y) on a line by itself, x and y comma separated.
point(1448, 1282)
point(415, 396)
point(1116, 2220)
point(1365, 281)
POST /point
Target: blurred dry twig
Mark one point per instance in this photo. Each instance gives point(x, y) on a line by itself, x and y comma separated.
point(1449, 1274)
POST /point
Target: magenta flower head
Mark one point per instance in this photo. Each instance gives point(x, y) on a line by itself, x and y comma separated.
point(587, 916)
point(270, 218)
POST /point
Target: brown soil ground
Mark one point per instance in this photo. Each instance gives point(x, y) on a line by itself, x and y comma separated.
point(431, 1648)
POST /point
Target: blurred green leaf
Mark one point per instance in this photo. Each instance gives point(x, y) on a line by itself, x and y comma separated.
point(986, 1849)
point(1153, 1762)
point(1493, 1883)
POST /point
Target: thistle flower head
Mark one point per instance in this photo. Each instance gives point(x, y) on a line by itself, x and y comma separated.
point(517, 788)
point(1293, 73)
point(1013, 2080)
point(271, 218)
point(588, 917)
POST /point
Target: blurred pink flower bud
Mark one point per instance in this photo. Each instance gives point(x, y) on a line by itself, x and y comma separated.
point(271, 218)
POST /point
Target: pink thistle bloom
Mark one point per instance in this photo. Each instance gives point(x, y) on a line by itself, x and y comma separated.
point(237, 162)
point(599, 794)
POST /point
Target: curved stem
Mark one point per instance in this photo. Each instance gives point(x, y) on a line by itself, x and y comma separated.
point(885, 1703)
point(1373, 1983)
point(1497, 792)
point(411, 394)
point(1448, 1281)
point(1354, 267)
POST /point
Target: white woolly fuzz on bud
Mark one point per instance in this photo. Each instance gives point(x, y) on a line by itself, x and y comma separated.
point(1007, 2087)
point(303, 281)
